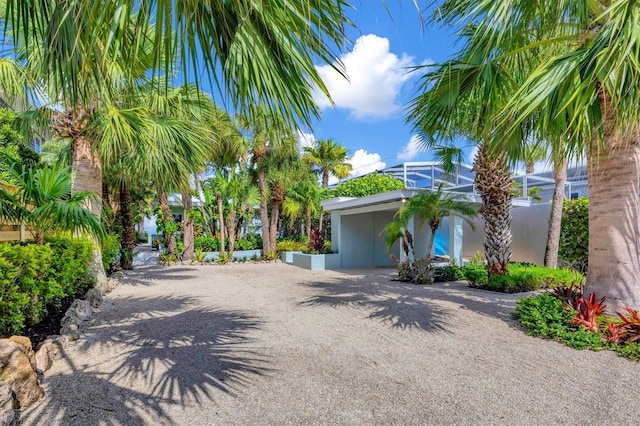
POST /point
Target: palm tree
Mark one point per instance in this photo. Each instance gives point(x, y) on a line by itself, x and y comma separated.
point(460, 98)
point(398, 229)
point(303, 199)
point(218, 187)
point(532, 153)
point(583, 100)
point(42, 200)
point(256, 55)
point(431, 206)
point(243, 194)
point(329, 158)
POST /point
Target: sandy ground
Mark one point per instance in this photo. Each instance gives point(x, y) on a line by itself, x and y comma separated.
point(275, 344)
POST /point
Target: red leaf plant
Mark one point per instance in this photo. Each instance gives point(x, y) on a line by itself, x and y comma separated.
point(615, 333)
point(630, 324)
point(588, 309)
point(566, 292)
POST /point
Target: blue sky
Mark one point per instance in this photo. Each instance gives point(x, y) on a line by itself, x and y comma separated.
point(368, 116)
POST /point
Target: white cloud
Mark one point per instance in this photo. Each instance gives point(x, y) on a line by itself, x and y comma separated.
point(363, 163)
point(411, 150)
point(305, 140)
point(374, 79)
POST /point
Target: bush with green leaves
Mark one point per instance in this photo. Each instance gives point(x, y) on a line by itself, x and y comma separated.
point(110, 250)
point(573, 248)
point(375, 183)
point(525, 277)
point(448, 273)
point(476, 274)
point(36, 277)
point(206, 243)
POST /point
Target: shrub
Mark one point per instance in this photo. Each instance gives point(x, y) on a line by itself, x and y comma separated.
point(529, 278)
point(289, 245)
point(543, 315)
point(449, 273)
point(368, 185)
point(205, 243)
point(475, 274)
point(573, 249)
point(248, 243)
point(110, 247)
point(35, 277)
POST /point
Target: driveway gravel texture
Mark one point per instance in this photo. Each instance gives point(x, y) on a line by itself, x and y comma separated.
point(275, 344)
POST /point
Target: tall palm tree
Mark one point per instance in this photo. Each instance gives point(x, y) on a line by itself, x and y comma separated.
point(328, 158)
point(460, 98)
point(584, 100)
point(429, 207)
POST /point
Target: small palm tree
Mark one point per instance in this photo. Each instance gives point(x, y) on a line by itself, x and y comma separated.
point(303, 198)
point(42, 200)
point(398, 229)
point(431, 206)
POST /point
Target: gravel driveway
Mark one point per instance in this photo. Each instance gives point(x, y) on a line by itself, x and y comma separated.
point(275, 344)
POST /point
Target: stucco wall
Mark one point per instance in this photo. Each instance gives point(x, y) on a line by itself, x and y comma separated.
point(529, 227)
point(361, 242)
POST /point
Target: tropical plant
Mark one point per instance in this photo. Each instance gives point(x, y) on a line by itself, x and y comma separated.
point(329, 159)
point(574, 234)
point(587, 308)
point(431, 206)
point(41, 198)
point(578, 99)
point(259, 54)
point(303, 198)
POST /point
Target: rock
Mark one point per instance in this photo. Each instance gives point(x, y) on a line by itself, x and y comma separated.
point(17, 371)
point(53, 346)
point(43, 361)
point(24, 343)
point(94, 297)
point(80, 309)
point(71, 335)
point(7, 406)
point(107, 286)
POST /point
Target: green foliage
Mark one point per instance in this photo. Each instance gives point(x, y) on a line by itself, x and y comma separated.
point(13, 146)
point(206, 243)
point(630, 350)
point(363, 186)
point(110, 249)
point(168, 258)
point(476, 274)
point(524, 277)
point(543, 315)
point(289, 245)
point(199, 255)
point(250, 242)
point(448, 273)
point(574, 234)
point(35, 277)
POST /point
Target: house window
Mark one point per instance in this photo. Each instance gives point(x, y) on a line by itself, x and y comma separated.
point(575, 195)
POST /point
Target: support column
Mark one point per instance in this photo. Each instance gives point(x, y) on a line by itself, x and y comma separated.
point(455, 239)
point(336, 231)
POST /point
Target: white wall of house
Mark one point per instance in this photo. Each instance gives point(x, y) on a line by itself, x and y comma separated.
point(529, 227)
point(362, 239)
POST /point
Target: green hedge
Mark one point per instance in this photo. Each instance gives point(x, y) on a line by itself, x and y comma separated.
point(368, 185)
point(523, 277)
point(35, 277)
point(204, 243)
point(573, 249)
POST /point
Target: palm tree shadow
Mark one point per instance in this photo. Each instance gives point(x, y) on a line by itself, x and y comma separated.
point(154, 359)
point(399, 305)
point(146, 275)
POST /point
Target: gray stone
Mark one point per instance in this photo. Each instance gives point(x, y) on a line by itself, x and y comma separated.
point(7, 406)
point(43, 361)
point(94, 297)
point(80, 309)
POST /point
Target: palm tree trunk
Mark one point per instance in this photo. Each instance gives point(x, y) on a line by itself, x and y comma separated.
point(264, 213)
point(187, 220)
point(493, 182)
point(87, 176)
point(614, 234)
point(231, 229)
point(128, 230)
point(555, 220)
point(432, 239)
point(170, 238)
point(273, 236)
point(307, 222)
point(221, 222)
